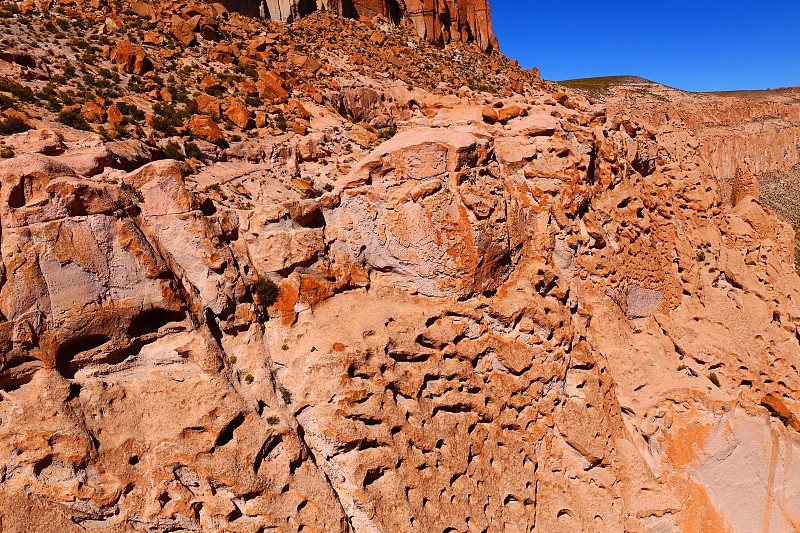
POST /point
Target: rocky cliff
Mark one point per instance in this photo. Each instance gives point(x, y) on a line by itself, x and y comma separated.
point(438, 21)
point(334, 278)
point(760, 126)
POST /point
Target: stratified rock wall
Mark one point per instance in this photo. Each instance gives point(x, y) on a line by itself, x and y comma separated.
point(438, 21)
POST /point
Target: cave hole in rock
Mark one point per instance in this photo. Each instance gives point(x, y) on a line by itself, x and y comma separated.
point(16, 198)
point(153, 320)
point(66, 353)
point(41, 465)
point(226, 435)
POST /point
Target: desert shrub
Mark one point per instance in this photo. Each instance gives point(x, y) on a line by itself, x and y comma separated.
point(130, 110)
point(13, 125)
point(286, 395)
point(388, 133)
point(166, 119)
point(267, 290)
point(249, 378)
point(273, 420)
point(712, 377)
point(6, 102)
point(74, 119)
point(132, 191)
point(193, 151)
point(17, 89)
point(173, 151)
point(6, 153)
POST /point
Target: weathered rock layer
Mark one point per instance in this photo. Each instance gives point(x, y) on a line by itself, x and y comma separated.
point(438, 21)
point(392, 310)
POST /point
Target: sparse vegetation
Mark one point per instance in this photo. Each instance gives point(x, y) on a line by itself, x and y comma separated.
point(232, 359)
point(712, 377)
point(249, 379)
point(286, 395)
point(173, 151)
point(20, 91)
point(388, 133)
point(280, 122)
point(74, 119)
point(273, 420)
point(132, 191)
point(193, 151)
point(13, 125)
point(6, 153)
point(267, 291)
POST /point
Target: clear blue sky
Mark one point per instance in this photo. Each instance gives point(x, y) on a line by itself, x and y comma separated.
point(700, 45)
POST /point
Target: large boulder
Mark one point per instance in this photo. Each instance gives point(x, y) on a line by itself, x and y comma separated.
point(131, 58)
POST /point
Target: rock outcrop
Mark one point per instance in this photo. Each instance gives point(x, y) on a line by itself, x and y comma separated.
point(437, 21)
point(365, 304)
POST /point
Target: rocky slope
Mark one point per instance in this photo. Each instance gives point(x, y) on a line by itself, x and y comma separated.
point(740, 131)
point(330, 277)
point(761, 126)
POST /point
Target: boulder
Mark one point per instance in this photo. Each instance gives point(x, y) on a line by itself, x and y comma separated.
point(131, 58)
point(206, 129)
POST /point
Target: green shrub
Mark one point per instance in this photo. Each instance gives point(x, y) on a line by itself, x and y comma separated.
point(6, 153)
point(232, 359)
point(17, 89)
point(173, 151)
point(388, 133)
point(6, 102)
point(193, 151)
point(267, 290)
point(713, 378)
point(74, 119)
point(13, 125)
point(249, 378)
point(273, 420)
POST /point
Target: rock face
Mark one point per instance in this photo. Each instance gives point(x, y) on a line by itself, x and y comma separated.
point(762, 126)
point(438, 21)
point(384, 308)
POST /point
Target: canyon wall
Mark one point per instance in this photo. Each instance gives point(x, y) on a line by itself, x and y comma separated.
point(437, 21)
point(760, 126)
point(316, 278)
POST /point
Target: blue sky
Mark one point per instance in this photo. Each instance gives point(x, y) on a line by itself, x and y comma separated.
point(700, 45)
